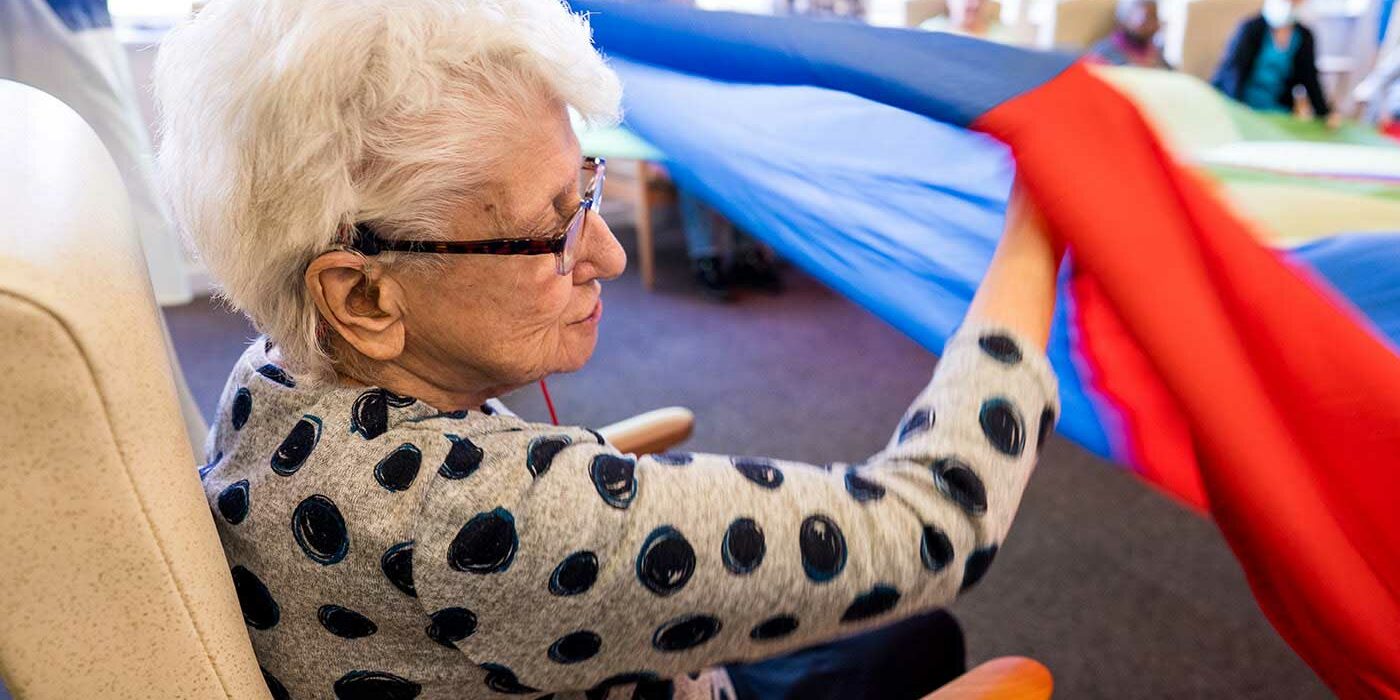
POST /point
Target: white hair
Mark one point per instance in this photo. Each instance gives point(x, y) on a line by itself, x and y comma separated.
point(284, 122)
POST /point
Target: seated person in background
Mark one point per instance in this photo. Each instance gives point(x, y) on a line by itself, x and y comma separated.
point(391, 192)
point(1270, 55)
point(1134, 38)
point(974, 18)
point(706, 233)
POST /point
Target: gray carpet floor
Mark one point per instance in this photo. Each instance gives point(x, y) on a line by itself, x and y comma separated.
point(1119, 591)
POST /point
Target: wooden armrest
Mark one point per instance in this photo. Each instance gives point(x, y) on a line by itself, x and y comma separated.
point(650, 432)
point(1006, 678)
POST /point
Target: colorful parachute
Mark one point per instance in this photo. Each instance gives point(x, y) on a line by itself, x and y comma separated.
point(1231, 375)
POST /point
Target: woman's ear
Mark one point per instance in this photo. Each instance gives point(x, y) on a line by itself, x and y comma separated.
point(359, 302)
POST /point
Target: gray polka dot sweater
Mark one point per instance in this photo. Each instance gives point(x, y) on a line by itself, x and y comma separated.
point(381, 549)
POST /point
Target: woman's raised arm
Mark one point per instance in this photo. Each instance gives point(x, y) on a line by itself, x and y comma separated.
point(585, 566)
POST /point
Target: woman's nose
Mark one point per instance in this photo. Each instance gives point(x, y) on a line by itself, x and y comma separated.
point(602, 256)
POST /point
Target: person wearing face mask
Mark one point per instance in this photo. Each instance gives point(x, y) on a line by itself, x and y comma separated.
point(1269, 56)
point(1133, 41)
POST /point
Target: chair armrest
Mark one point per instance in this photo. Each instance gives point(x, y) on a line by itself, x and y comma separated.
point(653, 431)
point(1006, 678)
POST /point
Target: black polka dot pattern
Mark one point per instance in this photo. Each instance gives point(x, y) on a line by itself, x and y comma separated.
point(600, 691)
point(960, 484)
point(917, 422)
point(369, 416)
point(397, 565)
point(297, 446)
point(935, 549)
point(1000, 348)
point(575, 574)
point(503, 680)
point(375, 685)
point(399, 468)
point(774, 628)
point(344, 622)
point(655, 690)
point(597, 436)
point(575, 647)
point(823, 548)
point(448, 415)
point(876, 601)
point(540, 455)
point(615, 478)
point(260, 610)
point(863, 489)
point(1047, 423)
point(743, 546)
point(673, 459)
point(233, 502)
point(1003, 427)
point(204, 470)
point(486, 544)
point(759, 471)
point(277, 374)
point(462, 460)
point(242, 408)
point(451, 625)
point(320, 530)
point(274, 686)
point(487, 409)
point(666, 561)
point(977, 565)
point(685, 633)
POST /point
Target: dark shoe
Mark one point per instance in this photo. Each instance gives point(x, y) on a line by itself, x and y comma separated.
point(710, 275)
point(754, 269)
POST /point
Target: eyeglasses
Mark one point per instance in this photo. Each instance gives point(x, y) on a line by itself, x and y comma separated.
point(562, 246)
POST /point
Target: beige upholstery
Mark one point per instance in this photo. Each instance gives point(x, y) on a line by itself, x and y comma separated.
point(1072, 24)
point(112, 581)
point(917, 11)
point(1196, 37)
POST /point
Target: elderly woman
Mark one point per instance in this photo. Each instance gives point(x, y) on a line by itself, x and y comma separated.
point(390, 191)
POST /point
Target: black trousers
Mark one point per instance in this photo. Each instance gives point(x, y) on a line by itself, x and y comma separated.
point(905, 660)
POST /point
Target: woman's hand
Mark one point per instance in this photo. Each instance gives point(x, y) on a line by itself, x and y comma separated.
point(1019, 289)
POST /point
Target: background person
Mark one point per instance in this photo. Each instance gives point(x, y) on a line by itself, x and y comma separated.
point(1269, 56)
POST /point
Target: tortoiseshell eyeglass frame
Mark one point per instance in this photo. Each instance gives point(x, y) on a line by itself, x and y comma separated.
point(561, 246)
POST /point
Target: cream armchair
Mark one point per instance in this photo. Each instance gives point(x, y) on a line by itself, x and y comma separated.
point(112, 581)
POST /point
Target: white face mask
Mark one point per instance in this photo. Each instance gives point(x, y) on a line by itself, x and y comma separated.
point(1279, 13)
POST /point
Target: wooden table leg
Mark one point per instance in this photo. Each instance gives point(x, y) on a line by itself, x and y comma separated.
point(644, 243)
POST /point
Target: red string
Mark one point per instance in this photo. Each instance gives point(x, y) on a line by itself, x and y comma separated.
point(549, 402)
